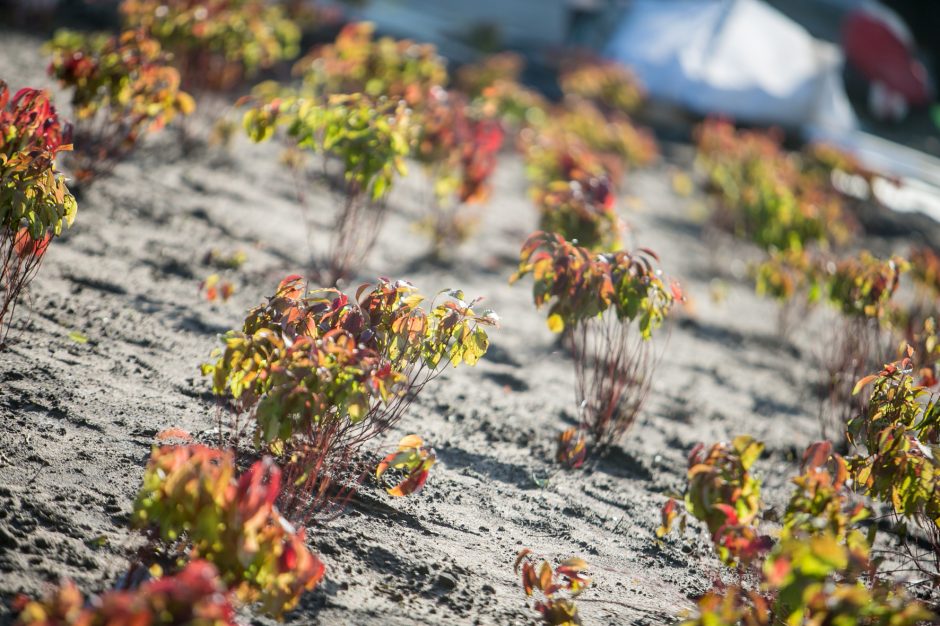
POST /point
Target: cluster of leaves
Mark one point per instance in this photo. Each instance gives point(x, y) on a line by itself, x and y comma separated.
point(606, 83)
point(581, 210)
point(413, 459)
point(607, 305)
point(819, 571)
point(860, 286)
point(190, 496)
point(765, 193)
point(724, 495)
point(813, 580)
point(574, 158)
point(320, 372)
point(35, 203)
point(900, 438)
point(557, 587)
point(493, 85)
point(612, 135)
point(580, 285)
point(195, 595)
point(369, 138)
point(458, 145)
point(384, 67)
point(122, 86)
point(216, 44)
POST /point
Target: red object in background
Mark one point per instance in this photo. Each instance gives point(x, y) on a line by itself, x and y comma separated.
point(879, 45)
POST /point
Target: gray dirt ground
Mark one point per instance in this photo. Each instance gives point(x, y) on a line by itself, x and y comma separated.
point(79, 419)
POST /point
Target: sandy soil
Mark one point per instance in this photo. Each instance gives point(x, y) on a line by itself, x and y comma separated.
point(80, 418)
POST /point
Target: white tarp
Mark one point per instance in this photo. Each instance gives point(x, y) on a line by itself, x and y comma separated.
point(739, 58)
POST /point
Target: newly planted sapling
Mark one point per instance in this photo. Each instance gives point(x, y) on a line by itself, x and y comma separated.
point(35, 204)
point(122, 87)
point(606, 83)
point(819, 571)
point(414, 459)
point(195, 595)
point(192, 499)
point(216, 45)
point(458, 146)
point(899, 460)
point(764, 195)
point(581, 210)
point(379, 68)
point(724, 495)
point(861, 289)
point(814, 580)
point(369, 139)
point(554, 589)
point(607, 306)
point(320, 376)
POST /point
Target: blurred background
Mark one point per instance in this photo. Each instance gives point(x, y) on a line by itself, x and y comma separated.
point(859, 74)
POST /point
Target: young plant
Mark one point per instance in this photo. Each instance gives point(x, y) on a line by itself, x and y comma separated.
point(607, 307)
point(122, 87)
point(555, 589)
point(764, 195)
point(861, 290)
point(191, 498)
point(412, 458)
point(216, 45)
point(898, 435)
point(606, 83)
point(724, 495)
point(319, 373)
point(369, 140)
point(582, 211)
point(458, 146)
point(382, 68)
point(35, 203)
point(821, 501)
point(814, 581)
point(195, 595)
point(614, 136)
point(474, 79)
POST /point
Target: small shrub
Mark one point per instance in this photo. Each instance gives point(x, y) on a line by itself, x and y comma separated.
point(763, 193)
point(861, 290)
point(474, 79)
point(556, 587)
point(897, 435)
point(581, 210)
point(819, 571)
point(369, 139)
point(722, 493)
point(319, 372)
point(607, 305)
point(606, 83)
point(458, 146)
point(821, 501)
point(216, 45)
point(122, 87)
point(195, 595)
point(816, 580)
point(613, 135)
point(190, 496)
point(389, 68)
point(35, 203)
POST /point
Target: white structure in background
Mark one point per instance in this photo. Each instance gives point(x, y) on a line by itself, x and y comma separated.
point(739, 58)
point(745, 60)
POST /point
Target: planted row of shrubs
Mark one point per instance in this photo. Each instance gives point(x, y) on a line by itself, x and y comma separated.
point(818, 562)
point(314, 376)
